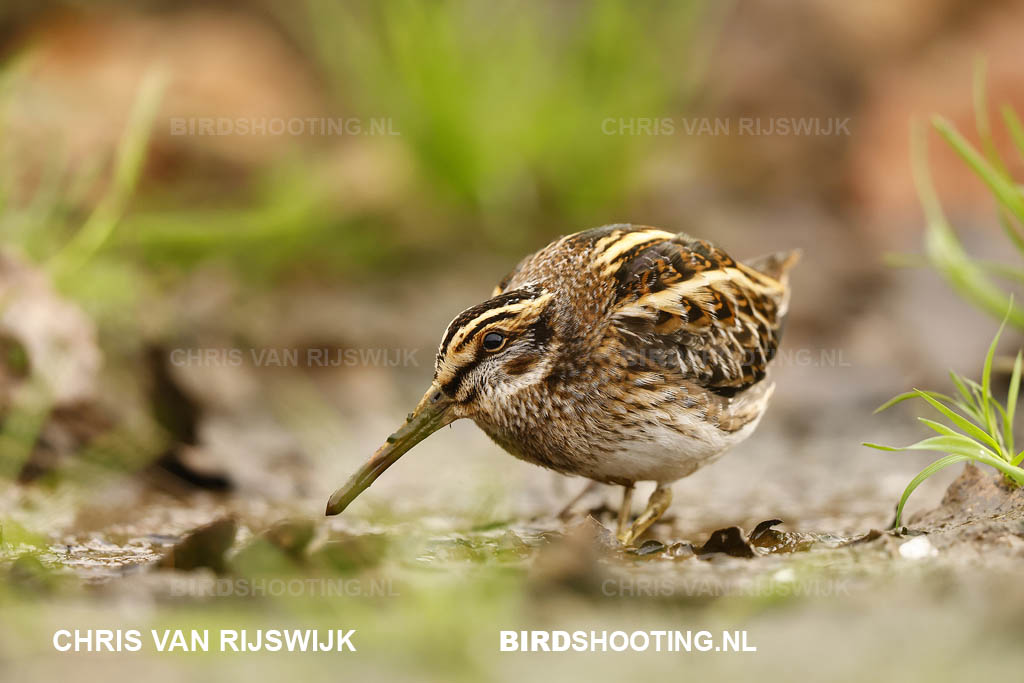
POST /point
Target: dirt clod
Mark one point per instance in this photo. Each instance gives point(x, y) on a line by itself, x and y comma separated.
point(204, 546)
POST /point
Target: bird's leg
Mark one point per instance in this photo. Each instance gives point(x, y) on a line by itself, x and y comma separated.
point(627, 504)
point(656, 506)
point(566, 512)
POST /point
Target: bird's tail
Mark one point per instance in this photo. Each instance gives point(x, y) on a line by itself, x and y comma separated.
point(776, 265)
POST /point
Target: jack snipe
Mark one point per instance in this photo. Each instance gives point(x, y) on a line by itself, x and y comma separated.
point(621, 354)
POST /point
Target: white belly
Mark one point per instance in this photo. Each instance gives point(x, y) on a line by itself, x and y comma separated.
point(663, 454)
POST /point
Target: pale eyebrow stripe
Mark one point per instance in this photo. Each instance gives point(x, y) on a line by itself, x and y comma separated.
point(468, 329)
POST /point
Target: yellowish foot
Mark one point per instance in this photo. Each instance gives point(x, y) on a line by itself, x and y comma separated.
point(625, 511)
point(656, 506)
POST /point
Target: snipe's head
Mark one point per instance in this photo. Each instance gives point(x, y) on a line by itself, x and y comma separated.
point(489, 353)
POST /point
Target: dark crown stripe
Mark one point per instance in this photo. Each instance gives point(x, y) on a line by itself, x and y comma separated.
point(471, 314)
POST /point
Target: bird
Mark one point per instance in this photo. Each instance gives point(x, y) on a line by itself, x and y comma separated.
point(621, 354)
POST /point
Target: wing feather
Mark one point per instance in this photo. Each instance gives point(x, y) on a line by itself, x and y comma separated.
point(686, 303)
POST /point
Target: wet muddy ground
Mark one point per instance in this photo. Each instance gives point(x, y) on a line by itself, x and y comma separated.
point(787, 537)
point(932, 601)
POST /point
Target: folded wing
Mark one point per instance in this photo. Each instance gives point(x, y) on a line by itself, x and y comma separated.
point(683, 305)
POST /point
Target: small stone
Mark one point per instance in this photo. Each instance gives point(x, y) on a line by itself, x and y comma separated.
point(918, 548)
point(651, 547)
point(681, 551)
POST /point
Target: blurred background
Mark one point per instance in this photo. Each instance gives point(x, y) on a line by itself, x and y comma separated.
point(199, 201)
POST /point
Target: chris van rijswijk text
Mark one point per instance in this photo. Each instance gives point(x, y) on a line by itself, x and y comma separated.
point(193, 640)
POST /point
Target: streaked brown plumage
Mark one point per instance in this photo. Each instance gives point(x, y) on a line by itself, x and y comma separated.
point(621, 354)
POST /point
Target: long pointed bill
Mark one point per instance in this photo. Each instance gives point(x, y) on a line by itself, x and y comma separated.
point(431, 414)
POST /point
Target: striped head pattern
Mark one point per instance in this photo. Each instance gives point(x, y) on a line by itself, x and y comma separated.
point(496, 347)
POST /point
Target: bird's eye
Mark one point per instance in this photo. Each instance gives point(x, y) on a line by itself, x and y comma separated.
point(494, 341)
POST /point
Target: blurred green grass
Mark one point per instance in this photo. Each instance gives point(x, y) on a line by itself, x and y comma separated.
point(987, 285)
point(499, 110)
point(502, 105)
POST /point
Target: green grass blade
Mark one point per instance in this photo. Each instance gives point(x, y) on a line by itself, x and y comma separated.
point(986, 376)
point(975, 389)
point(1009, 469)
point(1012, 231)
point(943, 247)
point(969, 404)
point(946, 431)
point(913, 394)
point(963, 423)
point(1011, 401)
point(939, 464)
point(1006, 453)
point(959, 448)
point(894, 400)
point(938, 427)
point(1014, 126)
point(131, 155)
point(961, 387)
point(957, 444)
point(1007, 272)
point(954, 444)
point(880, 447)
point(966, 441)
point(1004, 189)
